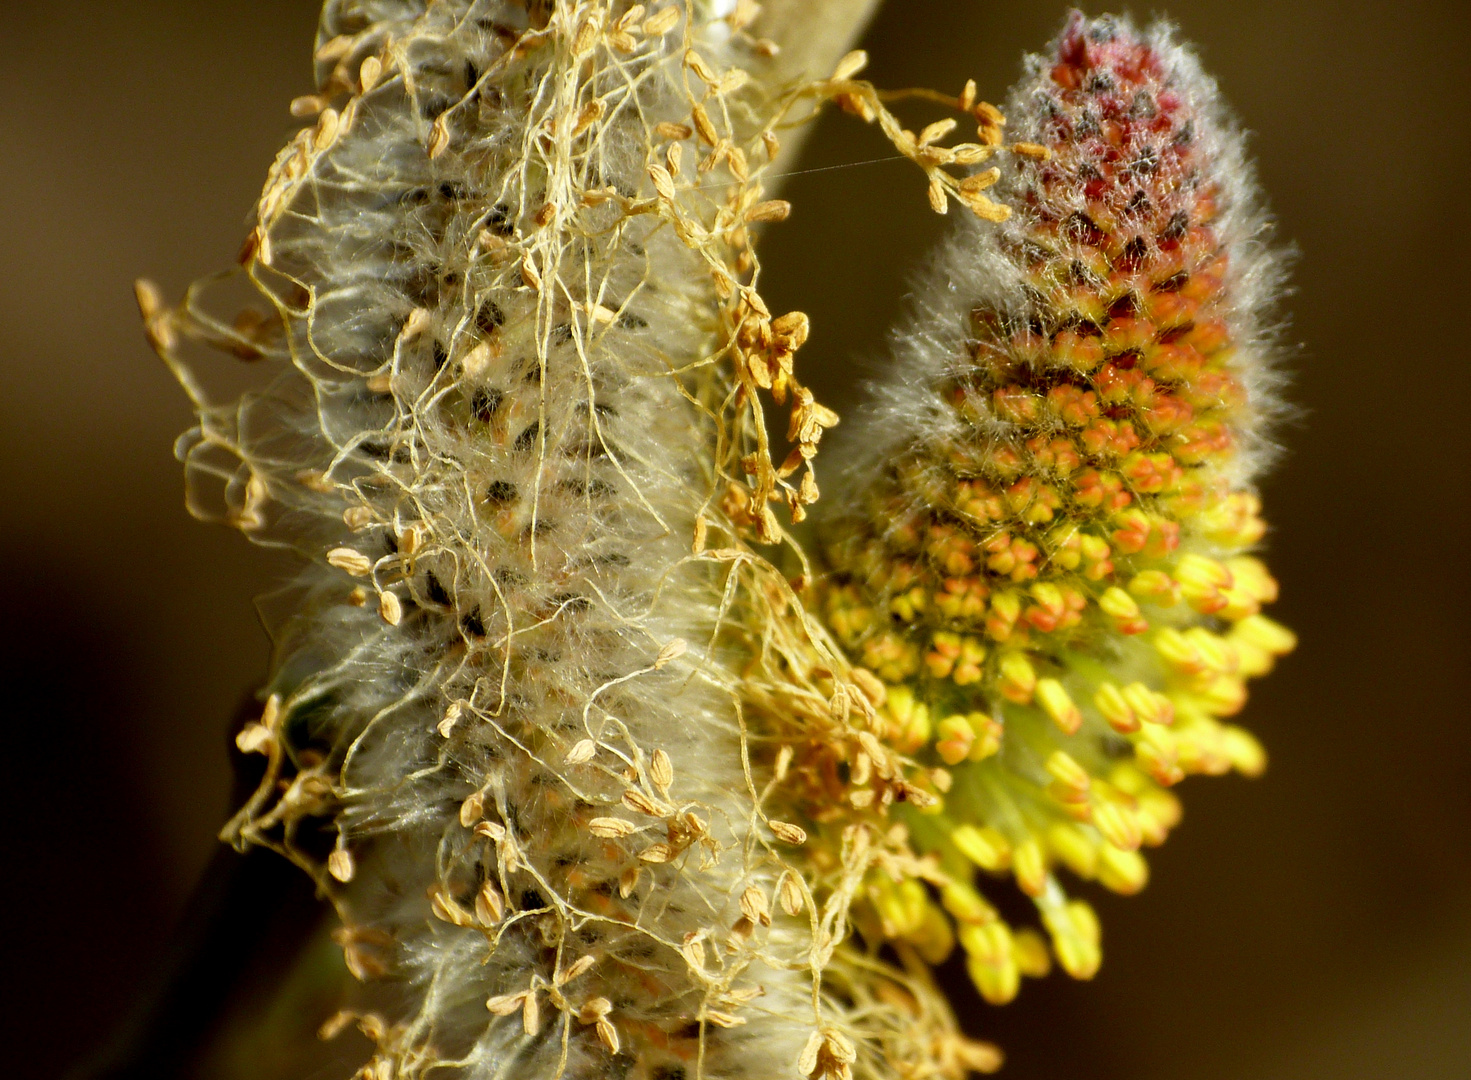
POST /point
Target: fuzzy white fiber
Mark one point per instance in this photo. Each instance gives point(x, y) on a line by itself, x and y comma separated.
point(491, 426)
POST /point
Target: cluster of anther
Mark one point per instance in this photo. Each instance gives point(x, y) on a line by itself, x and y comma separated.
point(1075, 507)
point(1097, 413)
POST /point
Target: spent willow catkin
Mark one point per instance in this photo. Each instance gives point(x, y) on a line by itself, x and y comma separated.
point(1044, 546)
point(503, 294)
point(594, 788)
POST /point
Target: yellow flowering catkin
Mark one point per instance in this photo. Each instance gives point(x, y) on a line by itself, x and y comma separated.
point(1043, 548)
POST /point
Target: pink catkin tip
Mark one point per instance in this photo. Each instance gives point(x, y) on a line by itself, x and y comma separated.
point(1092, 46)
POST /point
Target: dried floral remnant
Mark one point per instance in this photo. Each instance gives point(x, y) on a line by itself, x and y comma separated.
point(500, 293)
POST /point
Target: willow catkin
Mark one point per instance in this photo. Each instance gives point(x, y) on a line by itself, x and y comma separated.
point(496, 298)
point(503, 291)
point(1043, 548)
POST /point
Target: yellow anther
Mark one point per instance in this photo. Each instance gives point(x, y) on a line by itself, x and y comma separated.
point(1115, 709)
point(1030, 952)
point(911, 724)
point(954, 738)
point(1128, 779)
point(962, 598)
point(901, 704)
point(1073, 847)
point(1065, 547)
point(1071, 779)
point(896, 703)
point(1238, 604)
point(1235, 521)
point(913, 902)
point(1267, 635)
point(848, 618)
point(1123, 872)
point(1152, 831)
point(1158, 753)
point(901, 905)
point(935, 937)
point(968, 665)
point(987, 848)
point(988, 941)
point(998, 983)
point(907, 606)
point(967, 905)
point(1224, 696)
point(988, 732)
point(1123, 609)
point(1157, 735)
point(1048, 595)
point(1006, 608)
point(944, 651)
point(1118, 603)
point(1085, 919)
point(1029, 864)
point(1202, 747)
point(1149, 707)
point(1196, 572)
point(1203, 583)
point(884, 895)
point(1251, 660)
point(1244, 752)
point(890, 657)
point(1178, 652)
point(1216, 652)
point(1159, 811)
point(1253, 578)
point(1056, 703)
point(991, 961)
point(1095, 549)
point(1074, 930)
point(1156, 586)
point(1018, 679)
point(1118, 823)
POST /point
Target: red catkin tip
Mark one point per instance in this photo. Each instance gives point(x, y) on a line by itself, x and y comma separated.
point(1100, 46)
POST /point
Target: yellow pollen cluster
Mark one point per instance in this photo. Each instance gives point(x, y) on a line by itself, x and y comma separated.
point(1054, 582)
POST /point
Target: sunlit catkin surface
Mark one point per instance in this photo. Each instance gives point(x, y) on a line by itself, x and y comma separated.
point(1043, 548)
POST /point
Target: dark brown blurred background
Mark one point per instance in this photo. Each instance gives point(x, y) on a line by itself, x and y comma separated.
point(1313, 924)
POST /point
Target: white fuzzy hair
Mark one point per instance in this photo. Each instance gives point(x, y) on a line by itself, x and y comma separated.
point(504, 648)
